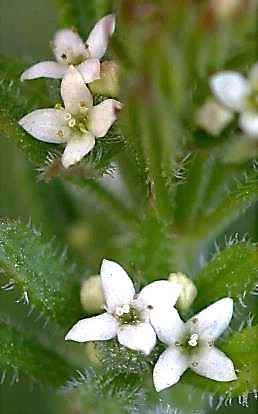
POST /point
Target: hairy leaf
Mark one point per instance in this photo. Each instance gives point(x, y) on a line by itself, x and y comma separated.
point(231, 272)
point(37, 269)
point(22, 356)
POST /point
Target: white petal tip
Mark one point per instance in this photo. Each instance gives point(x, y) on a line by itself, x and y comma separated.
point(23, 77)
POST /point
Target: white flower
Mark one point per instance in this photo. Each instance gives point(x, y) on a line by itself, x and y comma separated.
point(128, 315)
point(70, 49)
point(77, 124)
point(191, 345)
point(239, 94)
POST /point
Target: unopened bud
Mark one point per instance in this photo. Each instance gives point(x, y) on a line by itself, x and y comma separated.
point(108, 84)
point(225, 9)
point(92, 297)
point(188, 290)
point(213, 117)
point(92, 354)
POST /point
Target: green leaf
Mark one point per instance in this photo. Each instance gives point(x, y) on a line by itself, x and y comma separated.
point(150, 253)
point(241, 348)
point(16, 100)
point(36, 268)
point(231, 272)
point(228, 209)
point(82, 14)
point(21, 355)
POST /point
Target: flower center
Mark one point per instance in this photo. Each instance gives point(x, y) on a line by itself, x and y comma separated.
point(127, 315)
point(193, 341)
point(78, 123)
point(71, 58)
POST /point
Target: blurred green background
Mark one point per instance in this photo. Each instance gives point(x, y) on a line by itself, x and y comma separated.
point(25, 29)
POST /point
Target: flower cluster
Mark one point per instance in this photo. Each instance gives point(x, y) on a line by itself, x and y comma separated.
point(137, 319)
point(78, 123)
point(239, 94)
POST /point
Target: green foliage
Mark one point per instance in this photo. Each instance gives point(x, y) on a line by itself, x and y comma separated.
point(231, 272)
point(21, 355)
point(16, 100)
point(81, 14)
point(152, 240)
point(38, 270)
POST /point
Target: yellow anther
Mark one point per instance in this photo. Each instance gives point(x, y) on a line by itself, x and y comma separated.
point(58, 106)
point(83, 105)
point(60, 133)
point(72, 122)
point(82, 127)
point(67, 116)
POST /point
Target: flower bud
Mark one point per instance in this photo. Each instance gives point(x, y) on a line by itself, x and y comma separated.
point(92, 297)
point(225, 9)
point(212, 117)
point(108, 83)
point(188, 291)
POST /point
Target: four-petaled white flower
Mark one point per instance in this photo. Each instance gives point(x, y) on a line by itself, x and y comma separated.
point(77, 124)
point(70, 49)
point(239, 94)
point(132, 317)
point(191, 345)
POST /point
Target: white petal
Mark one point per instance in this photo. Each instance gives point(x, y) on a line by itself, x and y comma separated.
point(99, 36)
point(44, 125)
point(74, 91)
point(69, 43)
point(167, 324)
point(117, 285)
point(170, 366)
point(213, 364)
point(213, 320)
point(102, 116)
point(230, 88)
point(89, 69)
point(140, 337)
point(45, 69)
point(159, 293)
point(253, 75)
point(97, 328)
point(77, 148)
point(248, 121)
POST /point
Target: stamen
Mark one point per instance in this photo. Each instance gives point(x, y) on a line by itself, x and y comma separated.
point(177, 343)
point(67, 116)
point(83, 106)
point(72, 122)
point(193, 341)
point(210, 344)
point(82, 127)
point(74, 29)
point(64, 56)
point(119, 311)
point(60, 133)
point(195, 364)
point(58, 106)
point(194, 320)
